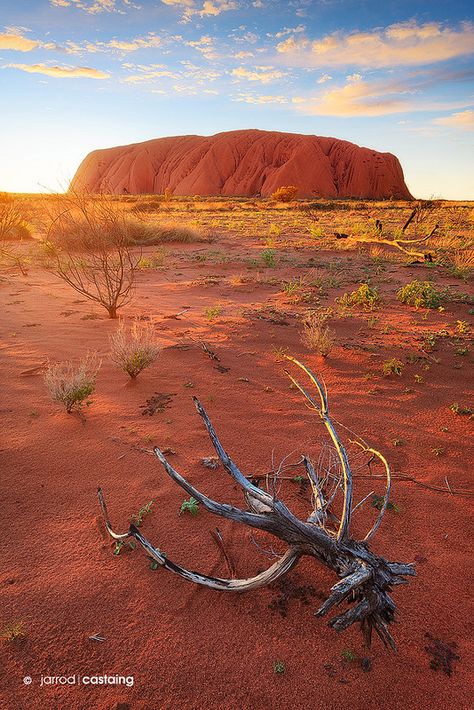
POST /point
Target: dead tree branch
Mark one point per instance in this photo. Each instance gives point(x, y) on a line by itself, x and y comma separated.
point(366, 579)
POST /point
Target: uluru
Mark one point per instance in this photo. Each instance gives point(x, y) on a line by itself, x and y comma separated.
point(243, 163)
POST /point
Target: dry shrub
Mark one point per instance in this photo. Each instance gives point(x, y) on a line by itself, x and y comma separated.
point(134, 349)
point(13, 222)
point(317, 335)
point(462, 263)
point(285, 194)
point(161, 232)
point(82, 222)
point(71, 384)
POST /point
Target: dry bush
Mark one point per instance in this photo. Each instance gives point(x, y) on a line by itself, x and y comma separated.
point(72, 384)
point(134, 349)
point(161, 232)
point(461, 263)
point(80, 222)
point(13, 222)
point(317, 335)
point(13, 227)
point(100, 265)
point(285, 194)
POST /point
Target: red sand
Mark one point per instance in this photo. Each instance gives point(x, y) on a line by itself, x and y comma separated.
point(244, 163)
point(188, 647)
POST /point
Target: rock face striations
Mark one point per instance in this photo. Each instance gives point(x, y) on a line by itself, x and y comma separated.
point(245, 163)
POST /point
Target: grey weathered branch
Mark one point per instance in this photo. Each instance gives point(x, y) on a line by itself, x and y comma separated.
point(365, 578)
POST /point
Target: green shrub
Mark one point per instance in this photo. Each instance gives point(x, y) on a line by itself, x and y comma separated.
point(421, 294)
point(364, 296)
point(268, 257)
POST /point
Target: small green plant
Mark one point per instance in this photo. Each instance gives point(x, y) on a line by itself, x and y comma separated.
point(13, 631)
point(365, 296)
point(458, 409)
point(291, 287)
point(428, 343)
point(392, 367)
point(279, 668)
point(348, 655)
point(316, 231)
point(119, 544)
point(70, 384)
point(212, 312)
point(298, 479)
point(138, 518)
point(421, 294)
point(378, 501)
point(151, 262)
point(462, 327)
point(268, 257)
point(190, 506)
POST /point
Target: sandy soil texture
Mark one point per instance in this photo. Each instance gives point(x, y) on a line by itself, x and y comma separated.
point(185, 646)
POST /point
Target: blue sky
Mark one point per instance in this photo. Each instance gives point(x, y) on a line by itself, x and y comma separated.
point(76, 75)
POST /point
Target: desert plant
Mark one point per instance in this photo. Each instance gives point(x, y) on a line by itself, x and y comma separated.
point(365, 296)
point(138, 518)
point(459, 409)
point(317, 335)
point(462, 327)
point(279, 667)
point(421, 294)
point(72, 384)
point(392, 367)
point(268, 257)
point(211, 312)
point(100, 265)
point(13, 631)
point(13, 224)
point(154, 261)
point(348, 655)
point(379, 501)
point(461, 263)
point(13, 227)
point(190, 506)
point(285, 194)
point(134, 349)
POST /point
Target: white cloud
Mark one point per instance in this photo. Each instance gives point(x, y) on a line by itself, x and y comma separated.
point(372, 98)
point(462, 119)
point(17, 42)
point(62, 72)
point(261, 74)
point(94, 7)
point(406, 43)
point(261, 99)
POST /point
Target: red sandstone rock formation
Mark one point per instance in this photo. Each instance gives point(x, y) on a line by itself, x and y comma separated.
point(243, 163)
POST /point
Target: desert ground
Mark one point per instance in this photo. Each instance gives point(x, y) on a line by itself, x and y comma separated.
point(225, 308)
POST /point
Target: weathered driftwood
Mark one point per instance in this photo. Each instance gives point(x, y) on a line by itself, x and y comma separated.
point(366, 579)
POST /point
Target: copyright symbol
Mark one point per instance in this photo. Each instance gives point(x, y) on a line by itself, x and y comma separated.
point(27, 680)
